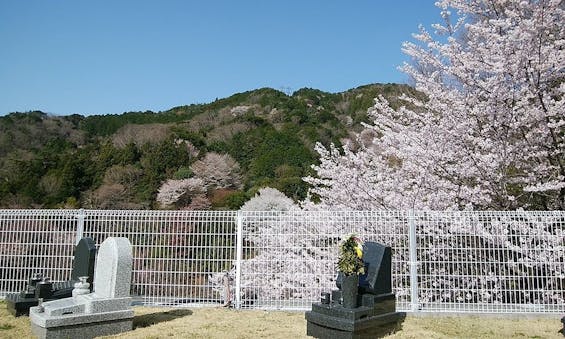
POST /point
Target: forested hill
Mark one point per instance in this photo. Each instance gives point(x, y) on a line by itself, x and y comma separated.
point(233, 146)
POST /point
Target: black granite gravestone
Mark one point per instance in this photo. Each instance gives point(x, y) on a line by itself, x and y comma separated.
point(41, 287)
point(376, 305)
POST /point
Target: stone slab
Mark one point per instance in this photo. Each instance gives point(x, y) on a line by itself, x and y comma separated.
point(61, 307)
point(379, 326)
point(84, 261)
point(383, 303)
point(350, 314)
point(83, 331)
point(378, 264)
point(41, 319)
point(96, 305)
point(343, 324)
point(364, 311)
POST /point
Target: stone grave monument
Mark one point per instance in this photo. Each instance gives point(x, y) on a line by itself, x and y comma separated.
point(375, 311)
point(40, 286)
point(105, 311)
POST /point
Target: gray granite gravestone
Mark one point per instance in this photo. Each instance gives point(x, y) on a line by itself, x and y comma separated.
point(105, 311)
point(41, 287)
point(375, 312)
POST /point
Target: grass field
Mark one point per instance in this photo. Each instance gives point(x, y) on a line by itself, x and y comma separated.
point(152, 322)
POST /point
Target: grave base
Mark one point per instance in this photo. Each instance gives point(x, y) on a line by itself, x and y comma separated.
point(17, 305)
point(83, 331)
point(375, 318)
point(67, 324)
point(323, 326)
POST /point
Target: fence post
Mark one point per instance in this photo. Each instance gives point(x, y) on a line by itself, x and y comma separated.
point(238, 259)
point(80, 225)
point(413, 262)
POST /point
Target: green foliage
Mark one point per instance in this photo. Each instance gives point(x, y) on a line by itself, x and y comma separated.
point(68, 170)
point(195, 138)
point(32, 130)
point(220, 147)
point(104, 125)
point(263, 150)
point(159, 162)
point(236, 200)
point(231, 200)
point(182, 173)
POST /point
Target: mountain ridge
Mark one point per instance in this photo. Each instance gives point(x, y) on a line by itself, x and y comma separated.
point(55, 161)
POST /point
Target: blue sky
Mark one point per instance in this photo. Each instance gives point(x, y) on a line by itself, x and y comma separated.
point(110, 57)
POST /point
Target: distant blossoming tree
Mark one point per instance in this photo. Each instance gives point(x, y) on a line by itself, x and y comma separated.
point(268, 199)
point(180, 193)
point(490, 133)
point(218, 171)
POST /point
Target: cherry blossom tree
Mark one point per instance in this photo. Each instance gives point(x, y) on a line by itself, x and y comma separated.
point(282, 244)
point(490, 133)
point(218, 171)
point(180, 193)
point(269, 199)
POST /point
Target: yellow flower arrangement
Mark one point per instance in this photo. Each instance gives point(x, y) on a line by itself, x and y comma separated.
point(350, 259)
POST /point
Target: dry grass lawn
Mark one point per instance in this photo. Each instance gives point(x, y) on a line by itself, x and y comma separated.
point(152, 322)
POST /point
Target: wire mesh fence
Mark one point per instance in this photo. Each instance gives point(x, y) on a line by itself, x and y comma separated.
point(496, 262)
point(174, 252)
point(491, 261)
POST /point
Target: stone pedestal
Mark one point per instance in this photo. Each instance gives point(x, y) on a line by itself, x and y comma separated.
point(375, 317)
point(349, 289)
point(87, 326)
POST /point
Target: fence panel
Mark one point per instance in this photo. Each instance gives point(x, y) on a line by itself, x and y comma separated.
point(494, 262)
point(175, 253)
point(502, 262)
point(35, 241)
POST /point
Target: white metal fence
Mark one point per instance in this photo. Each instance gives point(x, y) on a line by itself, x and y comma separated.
point(496, 262)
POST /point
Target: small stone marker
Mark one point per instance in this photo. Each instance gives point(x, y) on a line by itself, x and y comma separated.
point(40, 286)
point(376, 312)
point(106, 311)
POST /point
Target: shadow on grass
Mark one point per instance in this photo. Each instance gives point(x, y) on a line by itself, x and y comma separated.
point(145, 320)
point(388, 328)
point(396, 326)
